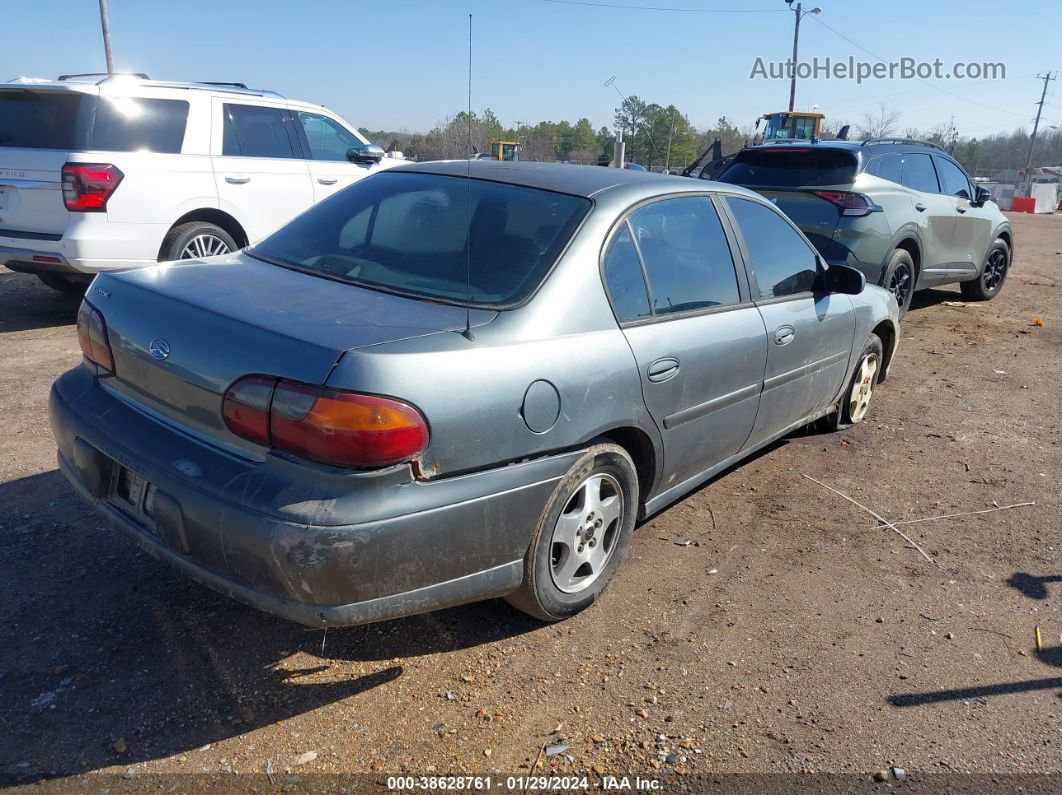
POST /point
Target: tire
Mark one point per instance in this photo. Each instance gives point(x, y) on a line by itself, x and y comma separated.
point(857, 396)
point(994, 272)
point(900, 278)
point(70, 285)
point(560, 578)
point(188, 240)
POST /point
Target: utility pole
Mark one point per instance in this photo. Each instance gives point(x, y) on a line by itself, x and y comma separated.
point(106, 24)
point(796, 39)
point(1047, 78)
point(670, 135)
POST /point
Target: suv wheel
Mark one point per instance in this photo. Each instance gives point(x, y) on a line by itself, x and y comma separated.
point(581, 536)
point(987, 286)
point(900, 279)
point(196, 240)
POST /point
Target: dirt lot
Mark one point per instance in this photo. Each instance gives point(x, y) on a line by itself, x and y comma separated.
point(791, 634)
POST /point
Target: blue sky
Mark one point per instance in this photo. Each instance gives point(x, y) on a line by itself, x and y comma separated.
point(401, 64)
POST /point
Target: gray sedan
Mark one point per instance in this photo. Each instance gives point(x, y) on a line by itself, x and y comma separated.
point(456, 381)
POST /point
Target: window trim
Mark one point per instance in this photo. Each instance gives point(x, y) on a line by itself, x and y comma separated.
point(623, 221)
point(754, 285)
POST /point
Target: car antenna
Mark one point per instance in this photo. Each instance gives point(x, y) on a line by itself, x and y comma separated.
point(467, 333)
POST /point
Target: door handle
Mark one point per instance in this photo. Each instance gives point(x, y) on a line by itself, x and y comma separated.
point(783, 335)
point(327, 180)
point(920, 207)
point(662, 369)
point(237, 180)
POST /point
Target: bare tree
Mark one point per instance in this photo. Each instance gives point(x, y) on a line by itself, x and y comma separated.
point(880, 125)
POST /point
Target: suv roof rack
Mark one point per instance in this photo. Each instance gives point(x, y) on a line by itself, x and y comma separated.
point(234, 85)
point(103, 75)
point(908, 141)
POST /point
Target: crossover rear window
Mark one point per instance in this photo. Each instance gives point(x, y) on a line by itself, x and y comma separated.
point(42, 119)
point(426, 235)
point(797, 167)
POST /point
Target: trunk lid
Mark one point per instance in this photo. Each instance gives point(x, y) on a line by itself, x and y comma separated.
point(181, 333)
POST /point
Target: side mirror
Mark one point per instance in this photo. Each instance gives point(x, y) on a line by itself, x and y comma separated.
point(982, 196)
point(844, 280)
point(365, 153)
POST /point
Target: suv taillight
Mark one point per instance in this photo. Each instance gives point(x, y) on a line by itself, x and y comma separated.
point(88, 186)
point(344, 429)
point(92, 336)
point(850, 203)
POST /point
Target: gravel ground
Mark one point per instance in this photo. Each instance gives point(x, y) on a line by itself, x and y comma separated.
point(791, 634)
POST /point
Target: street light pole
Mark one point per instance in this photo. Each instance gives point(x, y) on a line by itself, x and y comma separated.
point(106, 24)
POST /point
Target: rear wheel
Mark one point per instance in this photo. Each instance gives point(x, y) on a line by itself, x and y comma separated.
point(987, 286)
point(196, 240)
point(900, 279)
point(71, 285)
point(581, 537)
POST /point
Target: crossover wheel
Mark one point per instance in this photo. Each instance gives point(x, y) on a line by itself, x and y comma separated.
point(196, 240)
point(900, 279)
point(581, 537)
point(987, 286)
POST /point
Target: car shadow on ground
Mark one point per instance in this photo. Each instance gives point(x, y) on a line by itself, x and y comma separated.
point(1035, 588)
point(26, 304)
point(923, 299)
point(109, 657)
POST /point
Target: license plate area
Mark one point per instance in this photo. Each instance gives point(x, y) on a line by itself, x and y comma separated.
point(134, 494)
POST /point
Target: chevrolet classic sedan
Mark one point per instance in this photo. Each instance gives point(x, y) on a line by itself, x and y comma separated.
point(456, 381)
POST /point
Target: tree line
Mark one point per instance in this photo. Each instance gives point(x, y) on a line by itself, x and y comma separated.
point(663, 137)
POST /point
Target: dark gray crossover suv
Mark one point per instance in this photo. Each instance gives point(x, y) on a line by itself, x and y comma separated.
point(903, 212)
point(438, 386)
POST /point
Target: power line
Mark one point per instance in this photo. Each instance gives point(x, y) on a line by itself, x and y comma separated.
point(878, 58)
point(669, 8)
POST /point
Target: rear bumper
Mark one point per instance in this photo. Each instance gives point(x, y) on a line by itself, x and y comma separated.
point(89, 244)
point(390, 546)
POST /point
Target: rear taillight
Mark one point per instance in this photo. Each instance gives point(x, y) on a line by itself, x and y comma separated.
point(92, 335)
point(344, 429)
point(88, 186)
point(850, 203)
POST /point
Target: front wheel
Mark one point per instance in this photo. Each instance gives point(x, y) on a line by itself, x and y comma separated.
point(581, 537)
point(856, 400)
point(987, 286)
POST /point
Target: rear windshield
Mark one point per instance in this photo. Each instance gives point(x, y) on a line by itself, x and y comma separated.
point(72, 120)
point(783, 167)
point(425, 235)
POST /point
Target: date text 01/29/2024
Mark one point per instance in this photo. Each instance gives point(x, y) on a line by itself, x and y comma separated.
point(520, 783)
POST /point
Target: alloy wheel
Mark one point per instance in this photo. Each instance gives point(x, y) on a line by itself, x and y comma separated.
point(863, 387)
point(204, 245)
point(586, 532)
point(900, 283)
point(995, 270)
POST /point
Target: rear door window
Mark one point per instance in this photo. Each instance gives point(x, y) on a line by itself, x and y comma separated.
point(257, 131)
point(686, 255)
point(127, 124)
point(783, 166)
point(918, 173)
point(44, 119)
point(887, 167)
point(624, 279)
point(953, 180)
point(782, 262)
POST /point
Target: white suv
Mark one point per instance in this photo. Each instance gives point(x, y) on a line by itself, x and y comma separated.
point(101, 172)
